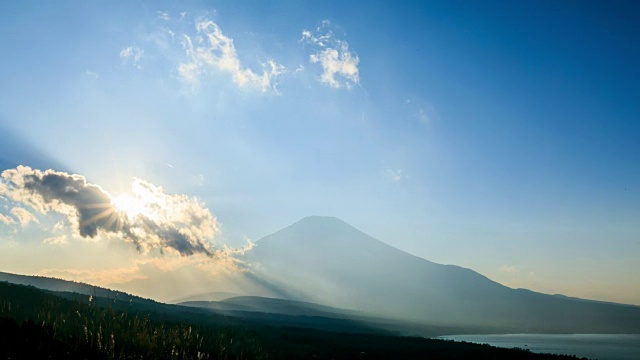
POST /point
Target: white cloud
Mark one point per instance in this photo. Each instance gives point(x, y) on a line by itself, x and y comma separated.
point(132, 55)
point(6, 220)
point(339, 63)
point(299, 69)
point(24, 216)
point(163, 15)
point(212, 50)
point(55, 240)
point(59, 226)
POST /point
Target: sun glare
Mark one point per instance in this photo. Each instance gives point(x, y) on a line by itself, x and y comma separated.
point(132, 206)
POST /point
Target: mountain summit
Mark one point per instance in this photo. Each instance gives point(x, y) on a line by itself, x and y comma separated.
point(319, 234)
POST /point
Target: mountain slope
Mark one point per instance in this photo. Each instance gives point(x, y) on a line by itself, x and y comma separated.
point(326, 261)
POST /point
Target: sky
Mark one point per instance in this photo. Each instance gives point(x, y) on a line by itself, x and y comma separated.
point(499, 136)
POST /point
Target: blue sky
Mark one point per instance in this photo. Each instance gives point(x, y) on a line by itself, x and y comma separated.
point(500, 136)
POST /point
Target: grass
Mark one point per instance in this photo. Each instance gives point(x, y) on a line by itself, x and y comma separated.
point(38, 324)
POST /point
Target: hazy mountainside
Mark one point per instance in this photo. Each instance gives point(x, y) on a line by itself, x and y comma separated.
point(275, 306)
point(327, 261)
point(171, 287)
point(211, 296)
point(289, 306)
point(254, 309)
point(280, 312)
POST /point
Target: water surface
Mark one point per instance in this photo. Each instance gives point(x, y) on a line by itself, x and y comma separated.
point(592, 346)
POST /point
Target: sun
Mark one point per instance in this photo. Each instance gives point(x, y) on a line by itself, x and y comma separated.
point(131, 206)
point(144, 199)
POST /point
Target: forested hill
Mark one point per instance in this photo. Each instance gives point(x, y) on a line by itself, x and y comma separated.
point(38, 324)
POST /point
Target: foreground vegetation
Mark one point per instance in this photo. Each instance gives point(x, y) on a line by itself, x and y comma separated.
point(39, 324)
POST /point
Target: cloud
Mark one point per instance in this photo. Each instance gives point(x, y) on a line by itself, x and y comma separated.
point(99, 277)
point(24, 216)
point(508, 269)
point(55, 240)
point(422, 116)
point(163, 15)
point(59, 226)
point(212, 50)
point(6, 220)
point(426, 114)
point(199, 267)
point(91, 74)
point(420, 110)
point(132, 55)
point(148, 217)
point(394, 175)
point(339, 63)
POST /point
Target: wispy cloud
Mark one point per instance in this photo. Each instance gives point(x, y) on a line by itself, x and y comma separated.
point(211, 50)
point(24, 216)
point(148, 217)
point(339, 63)
point(163, 15)
point(394, 175)
point(6, 220)
point(422, 116)
point(98, 277)
point(132, 55)
point(198, 268)
point(509, 269)
point(55, 240)
point(59, 226)
point(91, 74)
point(424, 112)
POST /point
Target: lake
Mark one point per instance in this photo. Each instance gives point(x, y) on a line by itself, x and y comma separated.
point(592, 346)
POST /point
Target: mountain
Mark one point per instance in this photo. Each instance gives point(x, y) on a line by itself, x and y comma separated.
point(274, 306)
point(281, 312)
point(210, 296)
point(325, 260)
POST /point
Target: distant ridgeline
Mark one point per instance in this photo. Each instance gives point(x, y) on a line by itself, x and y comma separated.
point(36, 323)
